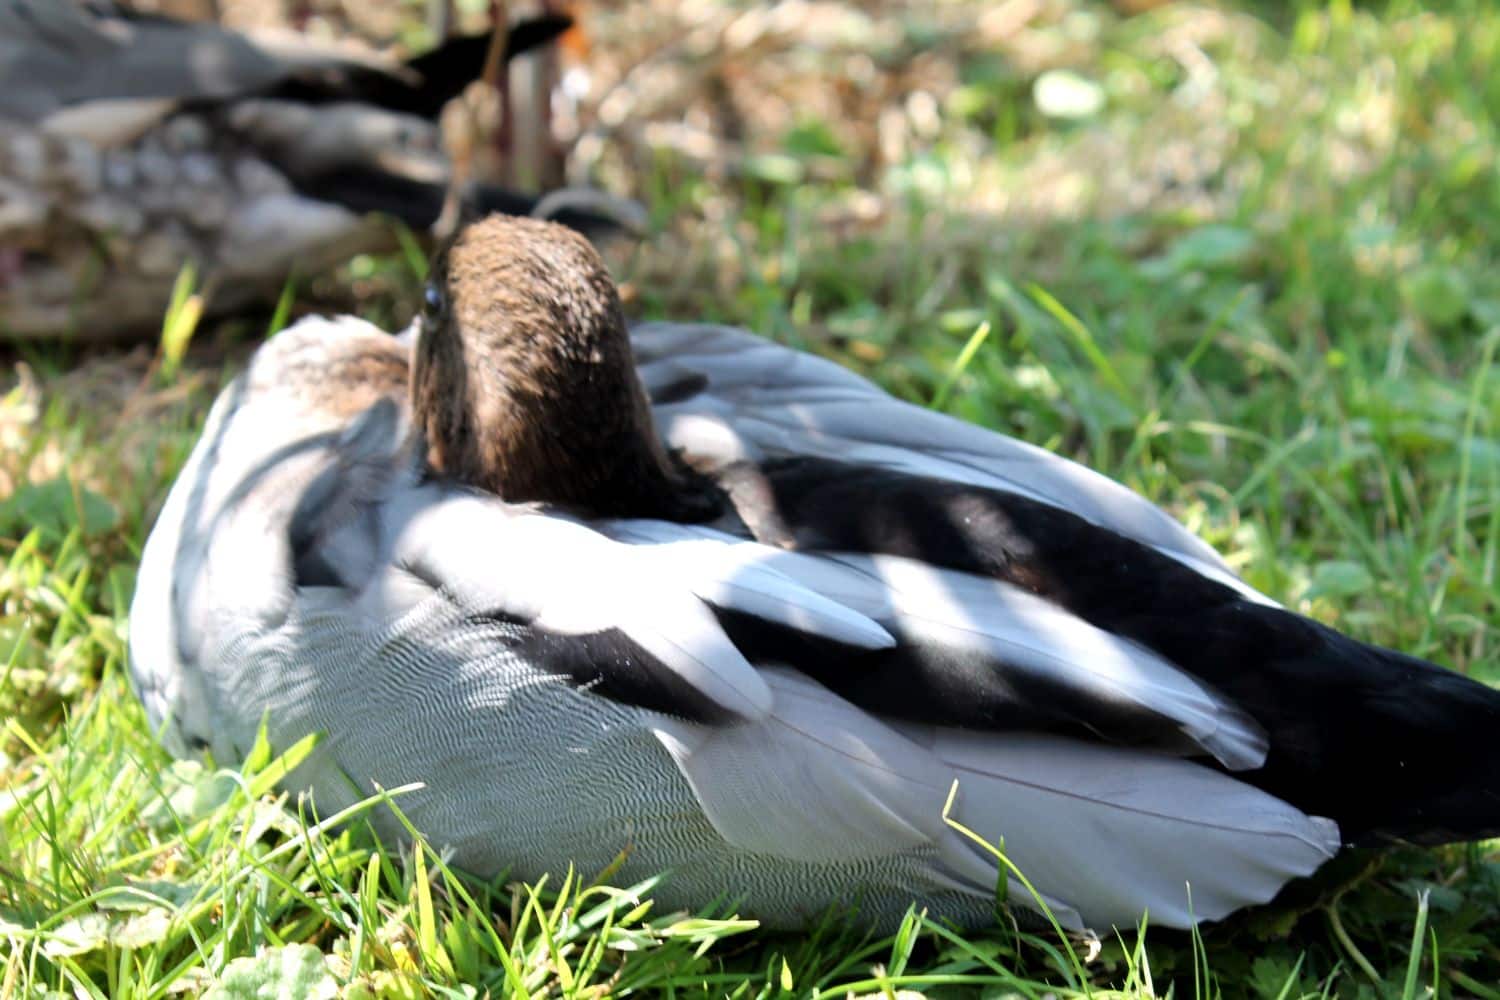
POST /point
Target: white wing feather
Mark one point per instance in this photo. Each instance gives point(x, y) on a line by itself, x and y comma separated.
point(1015, 630)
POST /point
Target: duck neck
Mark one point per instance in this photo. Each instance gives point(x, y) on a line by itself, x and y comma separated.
point(547, 423)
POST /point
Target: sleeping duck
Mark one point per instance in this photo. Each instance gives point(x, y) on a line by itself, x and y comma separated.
point(730, 611)
point(130, 143)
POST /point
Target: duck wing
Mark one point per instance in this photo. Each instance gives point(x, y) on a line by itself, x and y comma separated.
point(630, 623)
point(973, 651)
point(903, 514)
point(862, 747)
point(729, 388)
point(1379, 741)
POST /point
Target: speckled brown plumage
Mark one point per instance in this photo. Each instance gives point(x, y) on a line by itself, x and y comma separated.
point(343, 383)
point(524, 383)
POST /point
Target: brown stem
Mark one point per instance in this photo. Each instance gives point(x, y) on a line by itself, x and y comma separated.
point(497, 75)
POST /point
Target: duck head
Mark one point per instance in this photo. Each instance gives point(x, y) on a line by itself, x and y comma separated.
point(524, 382)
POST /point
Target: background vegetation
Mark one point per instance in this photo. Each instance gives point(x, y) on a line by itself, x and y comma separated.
point(1241, 258)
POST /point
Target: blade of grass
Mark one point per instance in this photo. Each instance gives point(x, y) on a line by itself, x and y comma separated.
point(184, 311)
point(960, 364)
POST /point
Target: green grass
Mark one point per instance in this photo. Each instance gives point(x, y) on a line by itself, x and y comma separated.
point(1260, 286)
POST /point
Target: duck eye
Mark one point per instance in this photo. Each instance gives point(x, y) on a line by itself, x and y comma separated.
point(432, 301)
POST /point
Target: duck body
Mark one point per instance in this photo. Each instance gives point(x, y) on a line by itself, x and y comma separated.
point(774, 705)
point(130, 144)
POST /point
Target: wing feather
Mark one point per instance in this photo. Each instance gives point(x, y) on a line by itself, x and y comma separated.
point(779, 401)
point(1109, 832)
point(962, 616)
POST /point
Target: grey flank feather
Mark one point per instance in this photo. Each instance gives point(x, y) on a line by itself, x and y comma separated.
point(1109, 832)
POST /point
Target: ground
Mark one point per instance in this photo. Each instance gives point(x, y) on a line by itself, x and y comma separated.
point(1241, 258)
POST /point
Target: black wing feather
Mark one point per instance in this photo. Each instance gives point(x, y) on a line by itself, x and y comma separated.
point(1388, 745)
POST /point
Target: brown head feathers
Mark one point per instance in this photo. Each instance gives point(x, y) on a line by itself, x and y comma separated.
point(523, 379)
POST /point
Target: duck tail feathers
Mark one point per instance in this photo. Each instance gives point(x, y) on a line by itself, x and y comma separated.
point(1427, 768)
